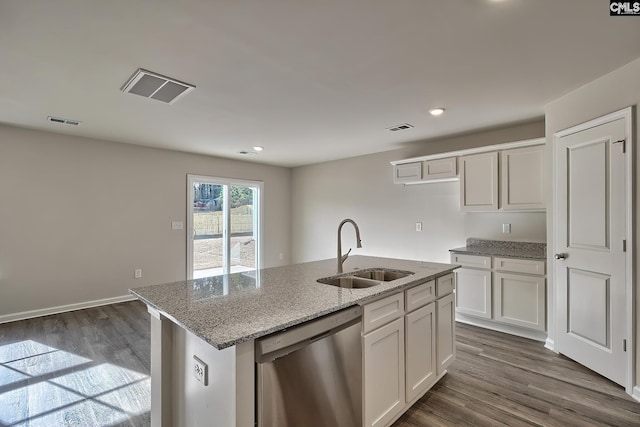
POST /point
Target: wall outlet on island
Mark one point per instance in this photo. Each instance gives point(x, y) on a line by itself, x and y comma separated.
point(200, 370)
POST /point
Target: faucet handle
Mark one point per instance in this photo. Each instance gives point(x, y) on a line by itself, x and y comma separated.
point(345, 256)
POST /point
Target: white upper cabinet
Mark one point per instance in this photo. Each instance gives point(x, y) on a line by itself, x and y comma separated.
point(522, 186)
point(479, 182)
point(440, 169)
point(407, 172)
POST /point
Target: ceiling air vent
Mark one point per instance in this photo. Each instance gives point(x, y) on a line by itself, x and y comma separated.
point(62, 121)
point(155, 86)
point(403, 126)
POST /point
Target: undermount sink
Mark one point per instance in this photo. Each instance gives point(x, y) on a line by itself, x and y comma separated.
point(383, 274)
point(365, 278)
point(351, 282)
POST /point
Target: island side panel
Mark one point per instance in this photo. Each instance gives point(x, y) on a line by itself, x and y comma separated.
point(178, 398)
point(161, 369)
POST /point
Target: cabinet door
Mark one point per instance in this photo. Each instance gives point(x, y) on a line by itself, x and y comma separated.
point(440, 168)
point(383, 353)
point(520, 300)
point(446, 333)
point(473, 292)
point(407, 172)
point(420, 351)
point(479, 182)
point(522, 178)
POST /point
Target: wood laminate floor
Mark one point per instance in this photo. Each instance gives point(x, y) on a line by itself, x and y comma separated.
point(499, 379)
point(91, 368)
point(82, 368)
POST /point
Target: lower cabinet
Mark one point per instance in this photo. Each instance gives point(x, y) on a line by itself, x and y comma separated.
point(383, 352)
point(473, 294)
point(446, 343)
point(406, 351)
point(506, 291)
point(420, 335)
point(520, 300)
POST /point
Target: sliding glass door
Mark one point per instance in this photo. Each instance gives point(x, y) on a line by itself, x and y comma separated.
point(223, 226)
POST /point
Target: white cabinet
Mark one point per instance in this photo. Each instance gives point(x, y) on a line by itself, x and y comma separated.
point(401, 358)
point(407, 172)
point(479, 182)
point(425, 171)
point(446, 333)
point(519, 290)
point(512, 293)
point(440, 169)
point(522, 186)
point(420, 354)
point(384, 374)
point(473, 293)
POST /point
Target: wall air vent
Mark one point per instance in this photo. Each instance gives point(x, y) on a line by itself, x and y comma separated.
point(403, 126)
point(155, 86)
point(63, 121)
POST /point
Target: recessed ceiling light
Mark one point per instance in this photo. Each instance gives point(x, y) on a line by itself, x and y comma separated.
point(436, 111)
point(258, 148)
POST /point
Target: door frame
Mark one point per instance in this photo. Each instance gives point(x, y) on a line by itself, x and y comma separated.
point(257, 218)
point(627, 115)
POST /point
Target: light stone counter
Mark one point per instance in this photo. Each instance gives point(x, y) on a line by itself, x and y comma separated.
point(227, 310)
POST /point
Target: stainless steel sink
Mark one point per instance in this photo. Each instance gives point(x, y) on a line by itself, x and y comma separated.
point(383, 274)
point(365, 278)
point(350, 282)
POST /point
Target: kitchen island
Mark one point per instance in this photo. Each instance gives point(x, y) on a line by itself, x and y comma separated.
point(212, 323)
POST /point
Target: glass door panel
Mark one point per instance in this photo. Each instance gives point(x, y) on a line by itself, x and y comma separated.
point(242, 225)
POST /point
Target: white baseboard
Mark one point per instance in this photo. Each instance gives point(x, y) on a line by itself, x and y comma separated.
point(636, 393)
point(63, 308)
point(499, 327)
point(550, 344)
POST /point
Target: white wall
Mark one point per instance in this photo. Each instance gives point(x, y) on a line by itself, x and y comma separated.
point(78, 215)
point(612, 92)
point(362, 188)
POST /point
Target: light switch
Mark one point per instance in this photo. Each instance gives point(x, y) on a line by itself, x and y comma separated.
point(506, 228)
point(418, 226)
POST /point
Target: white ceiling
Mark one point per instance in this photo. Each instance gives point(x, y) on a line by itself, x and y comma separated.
point(310, 80)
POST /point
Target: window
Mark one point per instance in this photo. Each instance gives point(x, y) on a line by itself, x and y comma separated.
point(223, 226)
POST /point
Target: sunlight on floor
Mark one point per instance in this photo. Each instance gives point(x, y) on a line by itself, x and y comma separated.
point(44, 386)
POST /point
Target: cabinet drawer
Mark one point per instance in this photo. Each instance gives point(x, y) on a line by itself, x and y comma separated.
point(383, 311)
point(472, 261)
point(420, 295)
point(516, 265)
point(445, 285)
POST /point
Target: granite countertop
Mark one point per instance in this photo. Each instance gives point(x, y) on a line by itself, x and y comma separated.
point(230, 309)
point(503, 248)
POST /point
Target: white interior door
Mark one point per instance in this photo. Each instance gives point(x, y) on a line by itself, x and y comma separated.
point(590, 235)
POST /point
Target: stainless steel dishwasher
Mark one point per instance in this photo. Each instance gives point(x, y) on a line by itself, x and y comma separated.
point(311, 375)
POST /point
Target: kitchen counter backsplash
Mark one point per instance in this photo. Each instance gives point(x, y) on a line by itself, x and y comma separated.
point(503, 248)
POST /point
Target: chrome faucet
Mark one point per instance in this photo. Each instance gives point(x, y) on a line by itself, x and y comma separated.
point(343, 258)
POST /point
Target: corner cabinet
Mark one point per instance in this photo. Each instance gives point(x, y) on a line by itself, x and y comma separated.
point(408, 342)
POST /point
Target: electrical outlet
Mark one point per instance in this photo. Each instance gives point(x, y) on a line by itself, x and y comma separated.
point(200, 370)
point(137, 273)
point(418, 226)
point(506, 228)
point(177, 225)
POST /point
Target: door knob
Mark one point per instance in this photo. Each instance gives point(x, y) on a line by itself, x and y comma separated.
point(561, 256)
